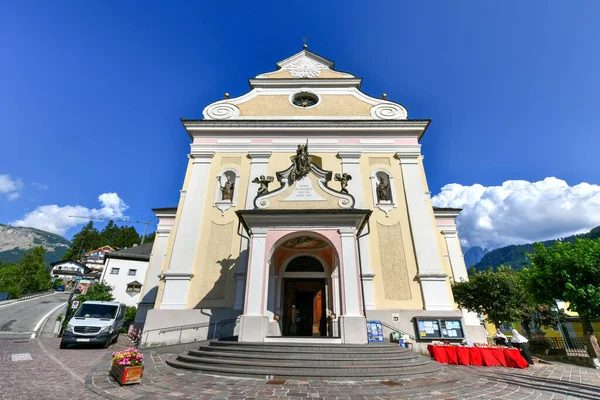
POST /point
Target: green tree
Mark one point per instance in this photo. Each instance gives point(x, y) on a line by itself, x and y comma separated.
point(569, 272)
point(497, 295)
point(29, 275)
point(98, 292)
point(150, 237)
point(88, 238)
point(127, 236)
point(109, 235)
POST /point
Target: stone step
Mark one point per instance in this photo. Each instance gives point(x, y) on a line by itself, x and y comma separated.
point(359, 374)
point(308, 365)
point(343, 357)
point(282, 348)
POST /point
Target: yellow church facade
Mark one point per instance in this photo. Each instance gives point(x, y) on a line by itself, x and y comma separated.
point(305, 213)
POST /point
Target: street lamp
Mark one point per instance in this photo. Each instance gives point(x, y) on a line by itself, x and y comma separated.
point(554, 309)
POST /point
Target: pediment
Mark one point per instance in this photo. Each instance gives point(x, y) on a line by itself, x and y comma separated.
point(305, 64)
point(303, 186)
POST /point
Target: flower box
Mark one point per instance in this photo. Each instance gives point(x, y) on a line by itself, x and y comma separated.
point(127, 375)
point(127, 366)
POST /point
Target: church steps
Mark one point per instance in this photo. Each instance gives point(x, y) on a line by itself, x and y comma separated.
point(366, 357)
point(360, 374)
point(310, 364)
point(306, 361)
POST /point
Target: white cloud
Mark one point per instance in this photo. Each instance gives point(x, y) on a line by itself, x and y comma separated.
point(9, 187)
point(520, 211)
point(39, 186)
point(54, 218)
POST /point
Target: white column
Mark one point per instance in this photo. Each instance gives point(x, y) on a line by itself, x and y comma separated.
point(422, 225)
point(459, 270)
point(253, 323)
point(353, 324)
point(178, 276)
point(159, 250)
point(259, 165)
point(351, 165)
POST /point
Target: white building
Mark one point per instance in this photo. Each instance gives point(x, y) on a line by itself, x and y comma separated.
point(125, 270)
point(68, 270)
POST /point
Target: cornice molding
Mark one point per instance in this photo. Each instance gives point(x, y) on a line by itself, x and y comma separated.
point(302, 82)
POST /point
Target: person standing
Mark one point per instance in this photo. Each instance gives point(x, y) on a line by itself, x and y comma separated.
point(519, 341)
point(500, 339)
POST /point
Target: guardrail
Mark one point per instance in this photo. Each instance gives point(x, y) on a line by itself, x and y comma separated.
point(215, 324)
point(27, 296)
point(572, 346)
point(393, 328)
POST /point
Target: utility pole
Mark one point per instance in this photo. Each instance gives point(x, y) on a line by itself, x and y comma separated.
point(119, 220)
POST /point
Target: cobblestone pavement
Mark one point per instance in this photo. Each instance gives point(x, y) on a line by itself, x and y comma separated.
point(543, 381)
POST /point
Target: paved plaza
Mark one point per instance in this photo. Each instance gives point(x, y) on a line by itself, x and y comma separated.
point(38, 369)
point(543, 381)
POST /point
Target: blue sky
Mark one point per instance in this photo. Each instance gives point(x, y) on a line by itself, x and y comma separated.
point(91, 93)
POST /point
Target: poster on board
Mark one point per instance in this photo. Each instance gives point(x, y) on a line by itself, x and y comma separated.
point(374, 331)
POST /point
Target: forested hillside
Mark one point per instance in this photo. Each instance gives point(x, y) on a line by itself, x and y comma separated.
point(516, 255)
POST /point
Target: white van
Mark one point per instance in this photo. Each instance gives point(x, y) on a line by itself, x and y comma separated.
point(95, 322)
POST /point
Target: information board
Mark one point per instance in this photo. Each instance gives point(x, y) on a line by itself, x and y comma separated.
point(451, 329)
point(438, 328)
point(428, 329)
point(374, 331)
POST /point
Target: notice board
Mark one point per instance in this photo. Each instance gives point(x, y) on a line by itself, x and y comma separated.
point(374, 331)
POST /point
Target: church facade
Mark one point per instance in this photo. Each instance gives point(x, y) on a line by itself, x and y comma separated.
point(304, 212)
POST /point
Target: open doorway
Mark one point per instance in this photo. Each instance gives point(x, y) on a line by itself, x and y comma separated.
point(304, 304)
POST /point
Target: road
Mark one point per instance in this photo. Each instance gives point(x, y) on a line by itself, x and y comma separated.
point(18, 320)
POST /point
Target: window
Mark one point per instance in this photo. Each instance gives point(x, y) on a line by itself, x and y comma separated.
point(132, 272)
point(133, 288)
point(305, 100)
point(114, 271)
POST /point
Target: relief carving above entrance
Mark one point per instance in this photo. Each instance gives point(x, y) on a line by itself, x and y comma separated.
point(302, 185)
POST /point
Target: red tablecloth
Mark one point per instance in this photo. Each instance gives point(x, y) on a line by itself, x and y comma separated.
point(488, 356)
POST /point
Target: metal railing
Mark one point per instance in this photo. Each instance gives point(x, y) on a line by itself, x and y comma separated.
point(27, 296)
point(180, 328)
point(572, 346)
point(393, 328)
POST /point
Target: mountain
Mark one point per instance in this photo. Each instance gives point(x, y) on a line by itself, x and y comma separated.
point(14, 241)
point(473, 255)
point(516, 255)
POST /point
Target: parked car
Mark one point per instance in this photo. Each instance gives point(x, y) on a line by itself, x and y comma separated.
point(60, 288)
point(95, 322)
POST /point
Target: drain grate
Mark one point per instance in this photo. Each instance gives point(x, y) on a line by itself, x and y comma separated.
point(276, 382)
point(391, 383)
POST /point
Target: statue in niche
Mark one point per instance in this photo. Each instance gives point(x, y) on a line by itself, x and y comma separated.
point(343, 180)
point(301, 162)
point(382, 190)
point(264, 184)
point(227, 189)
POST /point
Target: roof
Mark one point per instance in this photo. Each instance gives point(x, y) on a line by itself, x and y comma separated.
point(55, 263)
point(164, 209)
point(134, 283)
point(66, 272)
point(100, 249)
point(446, 209)
point(141, 253)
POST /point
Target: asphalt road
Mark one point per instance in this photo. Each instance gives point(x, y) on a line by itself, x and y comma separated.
point(18, 320)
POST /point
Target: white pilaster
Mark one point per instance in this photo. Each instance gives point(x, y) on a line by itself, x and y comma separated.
point(459, 269)
point(159, 250)
point(351, 165)
point(259, 165)
point(178, 276)
point(429, 261)
point(353, 328)
point(254, 322)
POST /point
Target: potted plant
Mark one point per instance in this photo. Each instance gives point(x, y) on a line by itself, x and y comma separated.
point(127, 366)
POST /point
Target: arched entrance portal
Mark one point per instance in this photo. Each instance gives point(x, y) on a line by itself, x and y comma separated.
point(304, 299)
point(305, 284)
